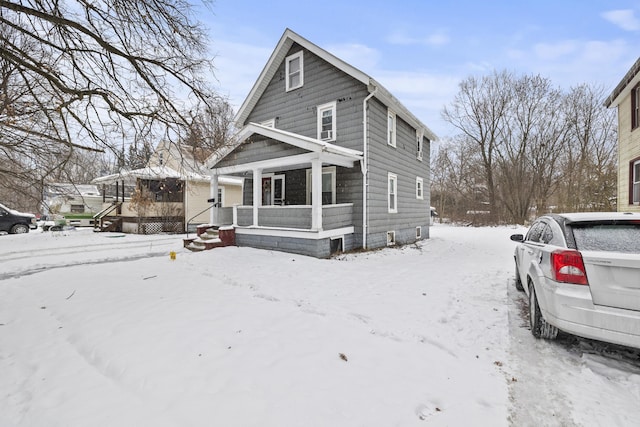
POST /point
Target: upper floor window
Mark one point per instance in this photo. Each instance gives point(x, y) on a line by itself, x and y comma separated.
point(393, 193)
point(635, 182)
point(419, 188)
point(419, 138)
point(391, 128)
point(635, 107)
point(327, 122)
point(294, 70)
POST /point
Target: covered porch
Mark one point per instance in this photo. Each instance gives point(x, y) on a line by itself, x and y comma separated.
point(290, 201)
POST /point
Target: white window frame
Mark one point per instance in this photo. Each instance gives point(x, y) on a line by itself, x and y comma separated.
point(419, 188)
point(391, 128)
point(392, 192)
point(331, 106)
point(269, 123)
point(419, 140)
point(328, 170)
point(635, 183)
point(288, 73)
point(418, 232)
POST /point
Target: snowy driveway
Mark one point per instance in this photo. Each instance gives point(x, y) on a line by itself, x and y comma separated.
point(108, 331)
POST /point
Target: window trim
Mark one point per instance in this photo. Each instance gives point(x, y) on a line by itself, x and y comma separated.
point(418, 232)
point(392, 127)
point(392, 184)
point(635, 107)
point(330, 106)
point(420, 144)
point(632, 166)
point(288, 60)
point(419, 188)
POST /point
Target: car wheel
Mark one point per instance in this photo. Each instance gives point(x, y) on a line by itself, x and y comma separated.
point(19, 229)
point(539, 327)
point(518, 281)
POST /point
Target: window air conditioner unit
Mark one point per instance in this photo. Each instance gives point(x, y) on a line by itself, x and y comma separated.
point(326, 134)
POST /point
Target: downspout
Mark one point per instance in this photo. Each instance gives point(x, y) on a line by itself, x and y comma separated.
point(364, 166)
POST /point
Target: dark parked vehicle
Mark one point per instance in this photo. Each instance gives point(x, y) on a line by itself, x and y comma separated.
point(15, 222)
point(581, 272)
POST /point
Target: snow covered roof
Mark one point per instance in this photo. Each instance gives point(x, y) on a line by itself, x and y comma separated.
point(160, 172)
point(623, 88)
point(67, 189)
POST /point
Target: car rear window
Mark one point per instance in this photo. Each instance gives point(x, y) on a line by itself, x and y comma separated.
point(607, 237)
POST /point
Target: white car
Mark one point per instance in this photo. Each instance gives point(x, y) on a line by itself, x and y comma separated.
point(581, 272)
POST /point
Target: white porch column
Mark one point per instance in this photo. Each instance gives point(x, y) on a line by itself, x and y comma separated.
point(257, 194)
point(213, 212)
point(316, 194)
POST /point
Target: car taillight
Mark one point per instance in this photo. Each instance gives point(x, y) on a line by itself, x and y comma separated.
point(567, 267)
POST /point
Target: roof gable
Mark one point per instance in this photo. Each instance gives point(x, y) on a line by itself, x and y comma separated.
point(300, 141)
point(278, 56)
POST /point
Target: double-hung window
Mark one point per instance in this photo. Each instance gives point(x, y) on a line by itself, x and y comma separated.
point(391, 128)
point(294, 69)
point(635, 107)
point(419, 188)
point(392, 192)
point(419, 138)
point(635, 182)
point(327, 122)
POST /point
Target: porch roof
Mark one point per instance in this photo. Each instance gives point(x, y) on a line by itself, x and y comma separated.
point(328, 153)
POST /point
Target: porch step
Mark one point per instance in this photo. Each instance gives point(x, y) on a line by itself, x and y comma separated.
point(209, 239)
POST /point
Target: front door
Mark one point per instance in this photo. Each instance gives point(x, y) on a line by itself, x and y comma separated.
point(277, 189)
point(273, 191)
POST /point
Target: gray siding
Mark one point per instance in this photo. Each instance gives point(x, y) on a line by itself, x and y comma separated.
point(296, 110)
point(256, 149)
point(402, 162)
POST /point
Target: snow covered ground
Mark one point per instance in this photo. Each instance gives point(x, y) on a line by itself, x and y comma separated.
point(106, 330)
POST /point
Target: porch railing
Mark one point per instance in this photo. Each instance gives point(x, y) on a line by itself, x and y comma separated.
point(294, 216)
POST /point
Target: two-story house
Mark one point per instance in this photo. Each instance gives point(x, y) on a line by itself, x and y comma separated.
point(331, 159)
point(626, 97)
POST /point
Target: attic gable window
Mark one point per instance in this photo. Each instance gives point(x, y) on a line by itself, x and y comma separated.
point(327, 122)
point(391, 128)
point(294, 69)
point(635, 107)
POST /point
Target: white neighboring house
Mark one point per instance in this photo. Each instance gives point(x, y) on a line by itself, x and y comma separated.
point(76, 202)
point(179, 189)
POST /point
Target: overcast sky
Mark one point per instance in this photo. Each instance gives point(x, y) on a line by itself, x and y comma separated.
point(421, 50)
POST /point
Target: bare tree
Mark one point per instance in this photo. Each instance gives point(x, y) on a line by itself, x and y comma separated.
point(536, 145)
point(211, 128)
point(90, 75)
point(589, 162)
point(477, 111)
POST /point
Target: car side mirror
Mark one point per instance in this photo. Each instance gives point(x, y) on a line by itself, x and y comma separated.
point(517, 237)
